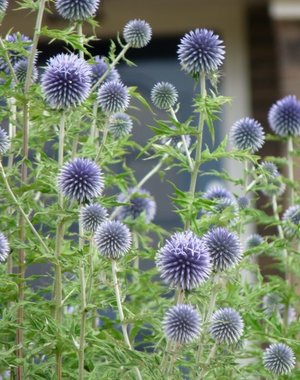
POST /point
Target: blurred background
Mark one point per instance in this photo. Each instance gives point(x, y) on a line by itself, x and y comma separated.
point(262, 39)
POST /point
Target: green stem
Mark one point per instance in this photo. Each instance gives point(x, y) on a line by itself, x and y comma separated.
point(104, 138)
point(290, 149)
point(7, 59)
point(82, 321)
point(197, 162)
point(80, 34)
point(111, 66)
point(120, 311)
point(94, 122)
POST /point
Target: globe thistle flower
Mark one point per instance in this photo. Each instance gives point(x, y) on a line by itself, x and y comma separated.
point(284, 116)
point(221, 197)
point(113, 239)
point(120, 125)
point(164, 95)
point(4, 142)
point(271, 183)
point(243, 202)
point(182, 324)
point(291, 219)
point(226, 326)
point(4, 247)
point(254, 240)
point(78, 10)
point(18, 46)
point(279, 359)
point(137, 33)
point(3, 5)
point(91, 216)
point(247, 133)
point(176, 141)
point(184, 261)
point(200, 50)
point(81, 179)
point(99, 68)
point(270, 169)
point(140, 202)
point(113, 97)
point(66, 81)
point(20, 69)
point(273, 306)
point(223, 247)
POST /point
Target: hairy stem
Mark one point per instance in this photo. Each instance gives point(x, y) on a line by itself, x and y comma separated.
point(120, 311)
point(82, 321)
point(290, 149)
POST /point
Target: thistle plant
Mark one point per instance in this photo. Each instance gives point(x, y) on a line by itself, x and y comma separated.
point(119, 296)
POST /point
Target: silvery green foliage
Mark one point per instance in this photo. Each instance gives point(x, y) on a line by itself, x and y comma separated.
point(4, 142)
point(4, 247)
point(182, 324)
point(284, 116)
point(112, 239)
point(81, 179)
point(247, 133)
point(120, 125)
point(137, 33)
point(164, 95)
point(77, 10)
point(226, 326)
point(66, 81)
point(91, 216)
point(113, 97)
point(279, 359)
point(200, 50)
point(184, 261)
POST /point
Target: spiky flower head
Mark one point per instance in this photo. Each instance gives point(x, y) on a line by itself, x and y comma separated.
point(279, 359)
point(254, 240)
point(291, 219)
point(271, 182)
point(222, 198)
point(137, 33)
point(269, 169)
point(77, 10)
point(164, 95)
point(247, 133)
point(81, 179)
point(113, 239)
point(120, 125)
point(284, 116)
point(4, 247)
point(182, 323)
point(18, 47)
point(273, 306)
point(3, 5)
point(176, 141)
point(140, 202)
point(113, 97)
point(223, 247)
point(4, 142)
point(20, 69)
point(66, 81)
point(243, 202)
point(200, 50)
point(184, 261)
point(99, 68)
point(226, 326)
point(91, 216)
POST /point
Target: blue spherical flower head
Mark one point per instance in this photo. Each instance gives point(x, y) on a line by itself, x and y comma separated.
point(120, 125)
point(91, 216)
point(137, 33)
point(99, 68)
point(20, 69)
point(221, 196)
point(113, 239)
point(226, 326)
point(291, 219)
point(182, 324)
point(279, 359)
point(247, 133)
point(164, 95)
point(3, 5)
point(243, 202)
point(113, 97)
point(223, 247)
point(199, 51)
point(271, 183)
point(284, 116)
point(18, 47)
point(77, 10)
point(269, 169)
point(140, 202)
point(4, 142)
point(66, 81)
point(4, 247)
point(253, 241)
point(184, 261)
point(81, 179)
